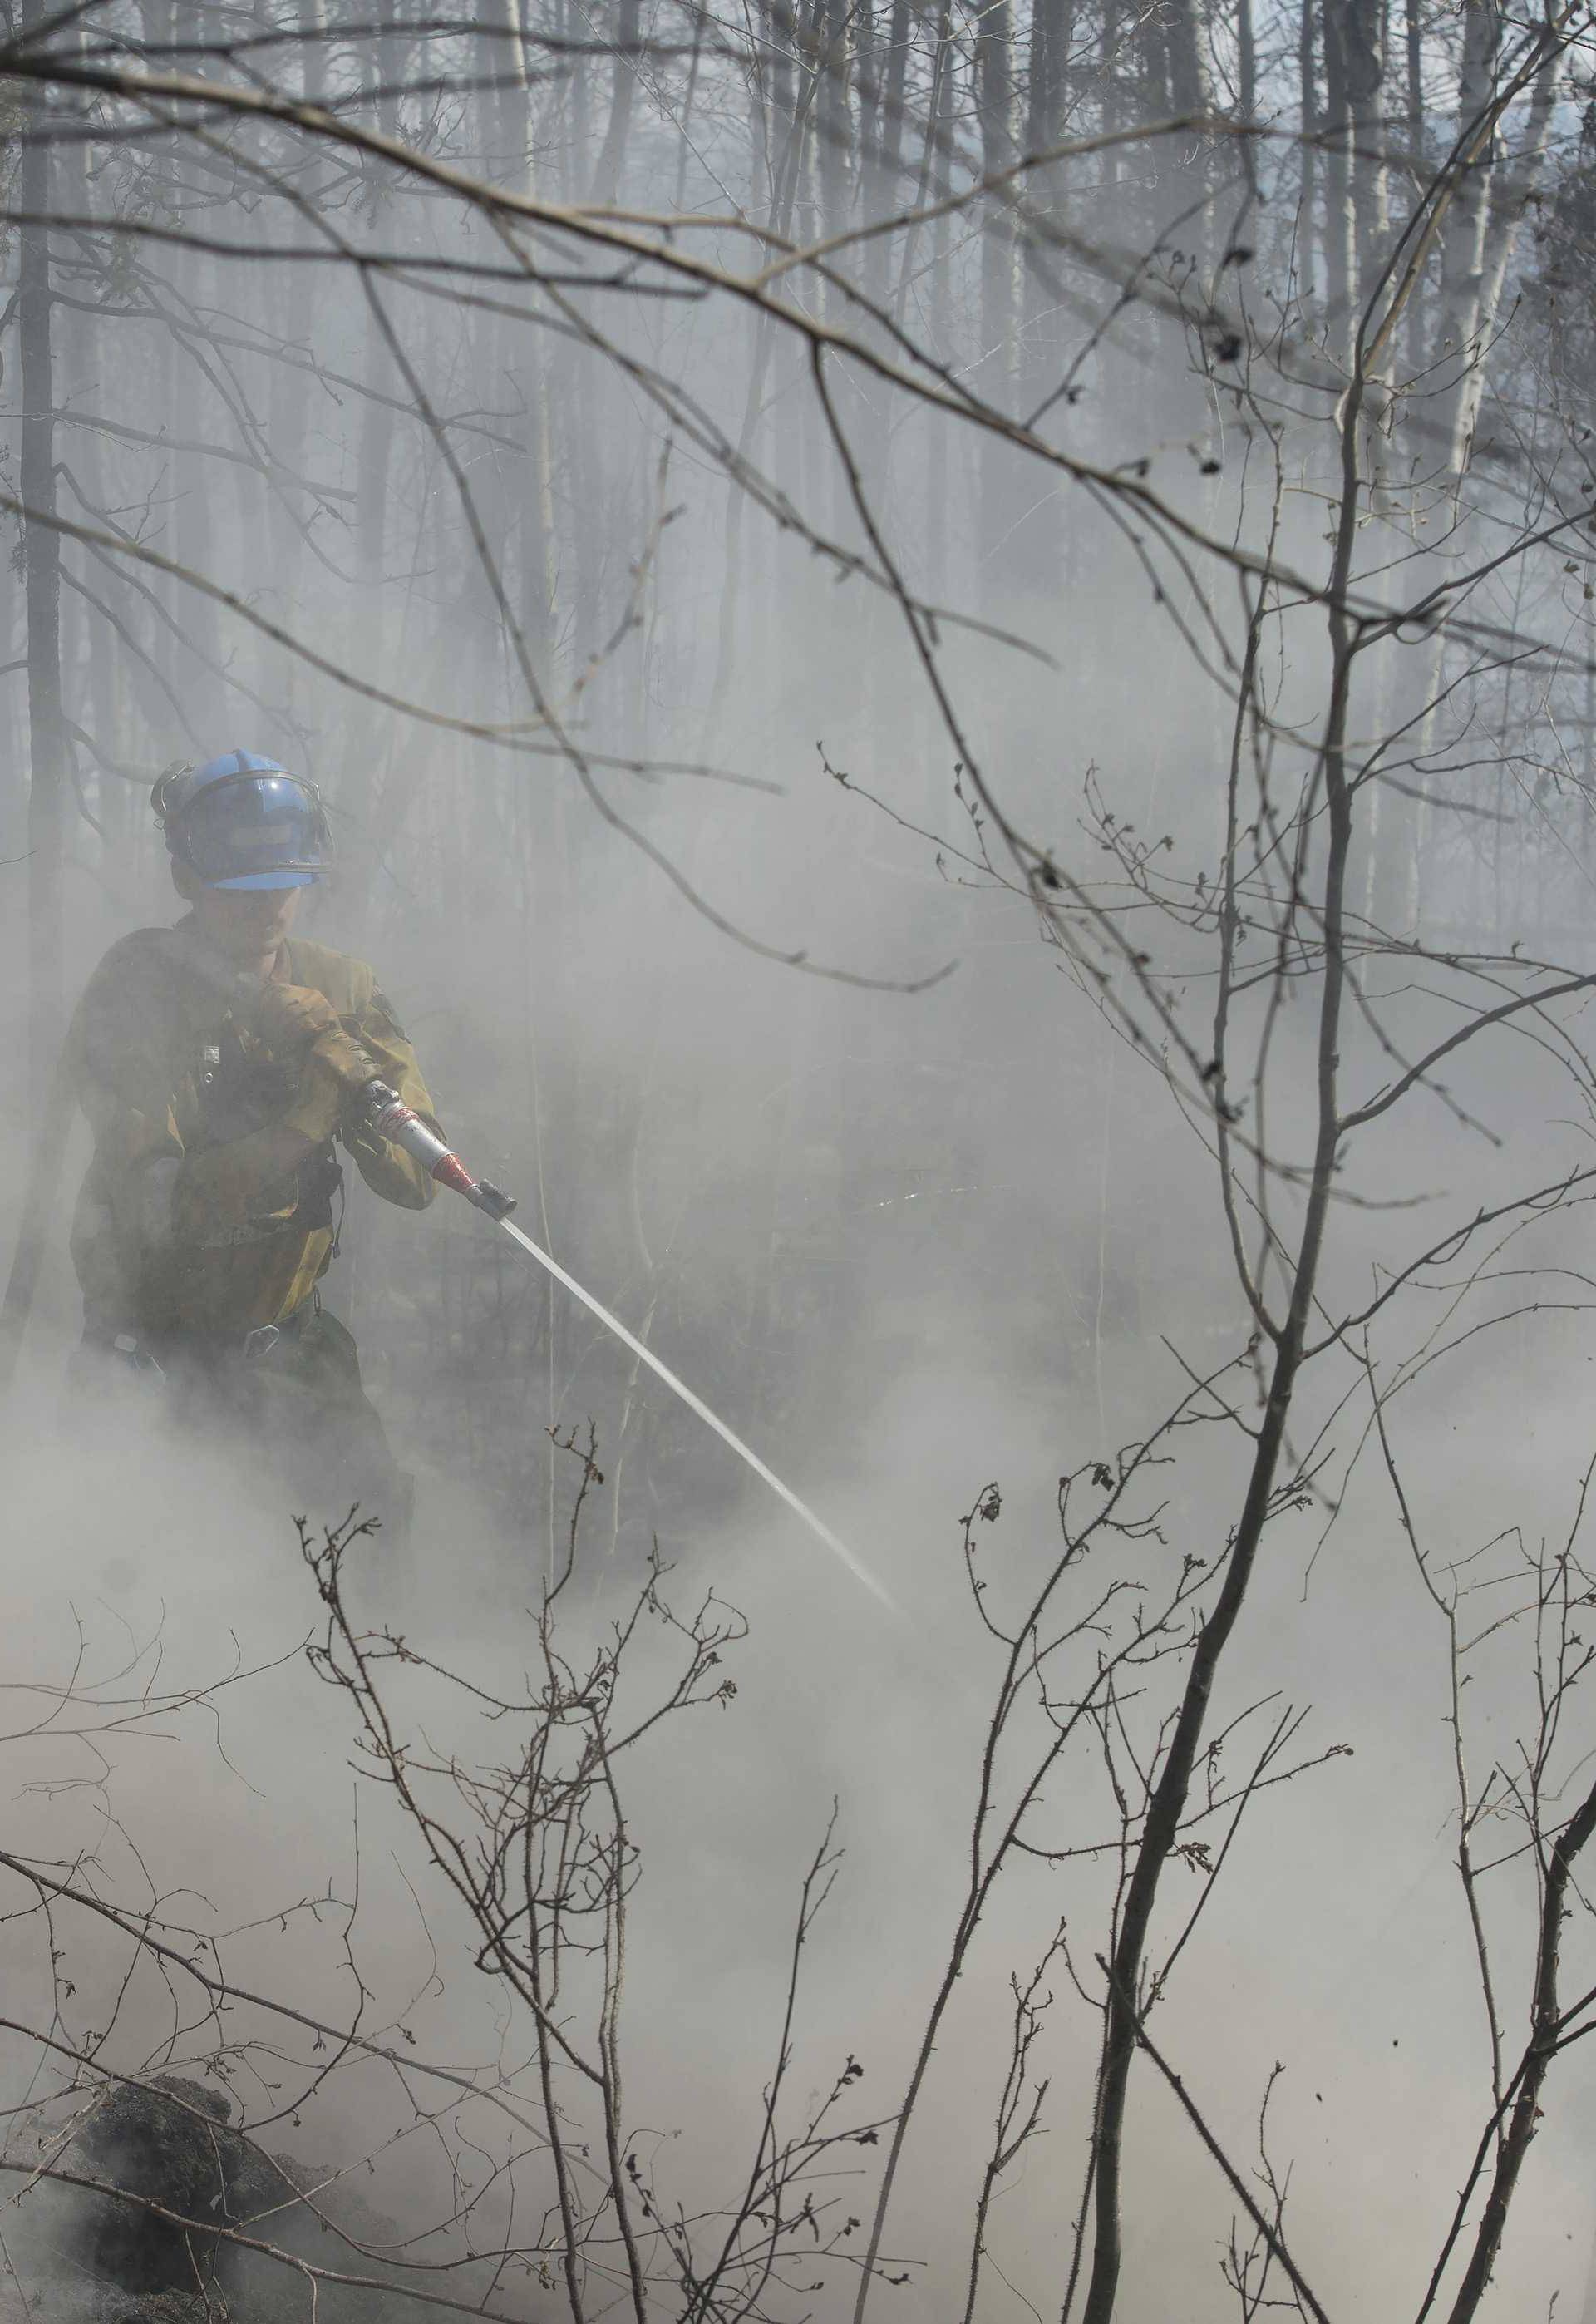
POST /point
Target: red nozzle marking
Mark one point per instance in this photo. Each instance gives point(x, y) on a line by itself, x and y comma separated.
point(452, 1172)
point(392, 1120)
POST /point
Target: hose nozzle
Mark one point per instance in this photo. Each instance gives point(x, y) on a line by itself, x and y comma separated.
point(492, 1199)
point(390, 1118)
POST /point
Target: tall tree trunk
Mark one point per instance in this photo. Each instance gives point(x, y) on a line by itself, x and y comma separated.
point(1416, 169)
point(41, 561)
point(1247, 71)
point(1413, 38)
point(390, 57)
point(1477, 250)
point(1049, 100)
point(1308, 100)
point(1043, 334)
point(831, 144)
point(1111, 110)
point(496, 340)
point(1460, 323)
point(503, 64)
point(1341, 273)
point(1363, 35)
point(893, 95)
point(1505, 217)
point(870, 85)
point(1189, 88)
point(528, 487)
point(567, 374)
point(941, 468)
point(1446, 418)
point(833, 121)
point(290, 396)
point(994, 77)
point(313, 48)
point(1154, 100)
point(374, 459)
point(623, 83)
point(210, 702)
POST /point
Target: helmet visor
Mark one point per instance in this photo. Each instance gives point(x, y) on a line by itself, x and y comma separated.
point(256, 831)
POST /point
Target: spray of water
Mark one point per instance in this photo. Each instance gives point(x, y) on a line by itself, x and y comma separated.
point(860, 1573)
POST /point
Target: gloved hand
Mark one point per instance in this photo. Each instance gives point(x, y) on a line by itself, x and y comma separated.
point(288, 1017)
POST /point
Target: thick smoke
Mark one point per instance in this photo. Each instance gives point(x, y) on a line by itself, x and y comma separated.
point(909, 1240)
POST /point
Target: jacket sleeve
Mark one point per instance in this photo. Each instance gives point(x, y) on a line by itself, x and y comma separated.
point(121, 1075)
point(121, 1071)
point(388, 1169)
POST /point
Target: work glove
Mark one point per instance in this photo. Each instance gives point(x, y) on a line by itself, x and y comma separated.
point(288, 1017)
point(295, 1020)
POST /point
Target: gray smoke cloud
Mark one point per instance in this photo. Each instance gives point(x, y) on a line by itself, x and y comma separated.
point(908, 1243)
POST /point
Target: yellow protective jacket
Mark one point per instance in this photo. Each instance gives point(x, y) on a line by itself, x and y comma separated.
point(164, 1072)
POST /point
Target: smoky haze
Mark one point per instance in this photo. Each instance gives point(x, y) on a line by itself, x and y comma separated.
point(833, 981)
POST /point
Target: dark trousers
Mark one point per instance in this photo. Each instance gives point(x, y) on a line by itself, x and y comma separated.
point(294, 1404)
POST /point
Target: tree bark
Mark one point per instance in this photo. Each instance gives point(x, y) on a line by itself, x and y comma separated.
point(897, 68)
point(1309, 93)
point(1341, 280)
point(995, 107)
point(1459, 323)
point(1189, 88)
point(1416, 172)
point(41, 564)
point(1504, 218)
point(623, 82)
point(1363, 52)
point(503, 64)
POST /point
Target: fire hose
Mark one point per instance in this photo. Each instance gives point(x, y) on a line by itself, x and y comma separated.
point(384, 1112)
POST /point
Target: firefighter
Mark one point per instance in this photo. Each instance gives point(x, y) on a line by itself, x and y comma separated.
point(211, 1208)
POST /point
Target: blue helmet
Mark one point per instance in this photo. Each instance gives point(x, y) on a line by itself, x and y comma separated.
point(241, 821)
